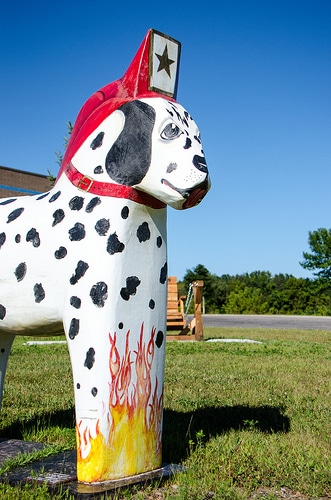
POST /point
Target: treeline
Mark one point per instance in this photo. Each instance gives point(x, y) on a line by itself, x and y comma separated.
point(260, 292)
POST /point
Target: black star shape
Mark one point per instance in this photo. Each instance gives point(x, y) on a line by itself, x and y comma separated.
point(164, 61)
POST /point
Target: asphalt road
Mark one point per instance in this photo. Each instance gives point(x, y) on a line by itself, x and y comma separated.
point(268, 321)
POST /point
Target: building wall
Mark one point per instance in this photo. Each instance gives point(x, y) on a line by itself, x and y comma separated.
point(19, 183)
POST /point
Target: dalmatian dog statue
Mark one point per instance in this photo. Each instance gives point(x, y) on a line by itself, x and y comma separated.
point(90, 256)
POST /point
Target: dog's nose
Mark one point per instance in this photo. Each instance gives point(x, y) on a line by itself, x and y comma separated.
point(200, 163)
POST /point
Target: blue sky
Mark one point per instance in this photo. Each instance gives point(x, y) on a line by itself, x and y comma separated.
point(256, 77)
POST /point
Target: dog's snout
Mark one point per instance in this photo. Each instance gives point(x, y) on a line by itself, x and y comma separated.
point(200, 163)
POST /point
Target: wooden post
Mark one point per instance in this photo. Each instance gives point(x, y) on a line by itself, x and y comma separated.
point(197, 294)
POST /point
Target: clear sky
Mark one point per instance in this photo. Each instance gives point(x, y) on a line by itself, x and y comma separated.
point(256, 77)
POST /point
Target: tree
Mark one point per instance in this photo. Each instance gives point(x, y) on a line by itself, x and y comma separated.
point(210, 285)
point(260, 293)
point(247, 300)
point(319, 259)
point(59, 154)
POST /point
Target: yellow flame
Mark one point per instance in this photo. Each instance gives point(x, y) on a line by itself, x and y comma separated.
point(134, 442)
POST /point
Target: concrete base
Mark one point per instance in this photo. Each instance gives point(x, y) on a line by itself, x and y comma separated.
point(59, 472)
point(181, 338)
point(11, 448)
point(238, 341)
point(84, 490)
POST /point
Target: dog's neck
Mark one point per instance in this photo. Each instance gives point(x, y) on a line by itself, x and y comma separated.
point(88, 185)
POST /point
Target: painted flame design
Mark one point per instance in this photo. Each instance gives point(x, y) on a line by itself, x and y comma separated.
point(134, 443)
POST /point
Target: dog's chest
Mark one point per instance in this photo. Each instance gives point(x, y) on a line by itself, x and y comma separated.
point(76, 251)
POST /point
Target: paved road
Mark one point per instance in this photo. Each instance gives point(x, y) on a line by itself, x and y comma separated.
point(268, 321)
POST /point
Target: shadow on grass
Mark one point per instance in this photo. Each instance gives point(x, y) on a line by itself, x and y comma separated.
point(179, 428)
point(60, 418)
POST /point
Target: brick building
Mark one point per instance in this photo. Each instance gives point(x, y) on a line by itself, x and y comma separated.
point(19, 183)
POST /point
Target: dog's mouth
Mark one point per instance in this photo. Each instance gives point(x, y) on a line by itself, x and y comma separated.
point(196, 196)
point(192, 196)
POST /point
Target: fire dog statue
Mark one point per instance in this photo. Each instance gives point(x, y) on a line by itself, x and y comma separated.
point(90, 256)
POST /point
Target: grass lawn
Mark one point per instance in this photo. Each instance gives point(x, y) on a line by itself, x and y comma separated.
point(243, 418)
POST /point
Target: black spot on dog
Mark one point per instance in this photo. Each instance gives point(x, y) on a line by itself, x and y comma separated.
point(6, 202)
point(171, 167)
point(78, 385)
point(159, 242)
point(94, 391)
point(125, 212)
point(80, 270)
point(60, 253)
point(143, 232)
point(97, 141)
point(90, 358)
point(163, 274)
point(120, 326)
point(177, 113)
point(76, 203)
point(102, 227)
point(20, 271)
point(159, 339)
point(73, 328)
point(2, 311)
point(39, 292)
point(151, 304)
point(33, 237)
point(14, 214)
point(98, 170)
point(128, 159)
point(132, 283)
point(77, 233)
point(114, 245)
point(188, 143)
point(41, 197)
point(18, 238)
point(99, 293)
point(54, 197)
point(2, 239)
point(58, 216)
point(75, 302)
point(92, 204)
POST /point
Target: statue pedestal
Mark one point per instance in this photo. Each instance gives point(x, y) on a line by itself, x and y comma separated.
point(59, 471)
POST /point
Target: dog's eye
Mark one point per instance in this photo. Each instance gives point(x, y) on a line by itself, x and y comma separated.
point(171, 131)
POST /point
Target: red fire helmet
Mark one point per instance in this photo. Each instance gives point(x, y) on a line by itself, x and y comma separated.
point(153, 72)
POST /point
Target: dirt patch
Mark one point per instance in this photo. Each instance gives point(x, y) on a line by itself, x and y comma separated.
point(260, 494)
point(282, 493)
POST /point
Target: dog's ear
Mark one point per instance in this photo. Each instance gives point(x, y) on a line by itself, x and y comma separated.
point(128, 160)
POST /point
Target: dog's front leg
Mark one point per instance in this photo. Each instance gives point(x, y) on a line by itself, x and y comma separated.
point(6, 341)
point(118, 383)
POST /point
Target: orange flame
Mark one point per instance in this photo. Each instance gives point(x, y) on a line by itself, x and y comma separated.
point(135, 429)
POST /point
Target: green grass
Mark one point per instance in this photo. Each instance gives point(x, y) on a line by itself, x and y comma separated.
point(238, 416)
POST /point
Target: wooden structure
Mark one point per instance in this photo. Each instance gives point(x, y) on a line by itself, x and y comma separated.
point(175, 306)
point(176, 320)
